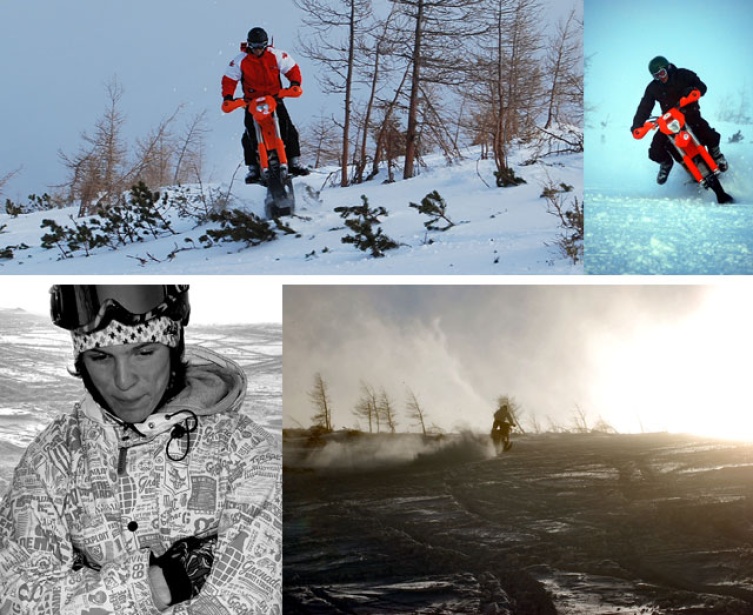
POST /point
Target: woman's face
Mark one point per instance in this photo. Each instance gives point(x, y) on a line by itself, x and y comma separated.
point(132, 378)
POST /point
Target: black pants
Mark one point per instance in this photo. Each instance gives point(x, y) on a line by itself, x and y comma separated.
point(288, 133)
point(662, 150)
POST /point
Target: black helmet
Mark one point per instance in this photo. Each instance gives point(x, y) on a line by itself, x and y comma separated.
point(257, 38)
point(657, 63)
point(83, 309)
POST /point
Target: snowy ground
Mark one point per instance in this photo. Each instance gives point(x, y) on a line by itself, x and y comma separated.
point(571, 524)
point(635, 226)
point(498, 231)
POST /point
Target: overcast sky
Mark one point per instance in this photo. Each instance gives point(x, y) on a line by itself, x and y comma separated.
point(56, 58)
point(214, 299)
point(643, 358)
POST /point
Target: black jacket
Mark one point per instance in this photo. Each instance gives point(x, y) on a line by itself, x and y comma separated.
point(679, 83)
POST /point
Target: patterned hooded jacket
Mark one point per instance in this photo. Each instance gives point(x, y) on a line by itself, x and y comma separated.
point(89, 490)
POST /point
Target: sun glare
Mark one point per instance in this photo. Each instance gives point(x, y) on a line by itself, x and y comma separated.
point(690, 376)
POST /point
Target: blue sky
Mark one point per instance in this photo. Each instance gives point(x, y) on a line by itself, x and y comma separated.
point(711, 38)
point(55, 59)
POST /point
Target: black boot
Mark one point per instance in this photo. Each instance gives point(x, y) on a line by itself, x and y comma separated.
point(664, 170)
point(295, 167)
point(717, 155)
point(252, 177)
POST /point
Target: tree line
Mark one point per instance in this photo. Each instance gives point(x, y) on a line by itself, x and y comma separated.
point(376, 411)
point(419, 77)
point(375, 407)
point(439, 74)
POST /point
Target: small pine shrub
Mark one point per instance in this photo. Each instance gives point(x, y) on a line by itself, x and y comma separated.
point(506, 177)
point(238, 225)
point(362, 220)
point(133, 221)
point(434, 206)
point(117, 225)
point(736, 138)
point(35, 203)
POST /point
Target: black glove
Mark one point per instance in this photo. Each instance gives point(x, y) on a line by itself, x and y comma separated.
point(186, 566)
point(228, 97)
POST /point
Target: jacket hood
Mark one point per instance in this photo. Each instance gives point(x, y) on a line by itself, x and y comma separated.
point(214, 385)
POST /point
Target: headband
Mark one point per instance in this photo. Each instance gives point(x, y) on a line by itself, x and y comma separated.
point(162, 329)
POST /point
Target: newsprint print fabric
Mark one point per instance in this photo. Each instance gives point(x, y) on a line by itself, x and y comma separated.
point(89, 491)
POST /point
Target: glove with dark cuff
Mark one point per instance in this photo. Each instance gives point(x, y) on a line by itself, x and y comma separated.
point(186, 566)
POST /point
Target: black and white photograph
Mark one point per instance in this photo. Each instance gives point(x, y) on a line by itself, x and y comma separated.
point(140, 448)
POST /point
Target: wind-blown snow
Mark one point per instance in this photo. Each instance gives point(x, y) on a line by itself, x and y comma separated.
point(633, 225)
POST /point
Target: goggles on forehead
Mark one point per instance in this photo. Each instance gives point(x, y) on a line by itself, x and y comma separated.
point(87, 308)
point(660, 74)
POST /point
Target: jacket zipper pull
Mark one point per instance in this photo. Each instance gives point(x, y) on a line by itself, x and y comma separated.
point(122, 461)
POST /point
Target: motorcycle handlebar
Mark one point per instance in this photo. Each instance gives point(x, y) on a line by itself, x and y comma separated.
point(692, 97)
point(293, 91)
point(640, 132)
point(232, 105)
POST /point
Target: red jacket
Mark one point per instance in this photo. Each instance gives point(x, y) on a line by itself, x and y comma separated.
point(260, 76)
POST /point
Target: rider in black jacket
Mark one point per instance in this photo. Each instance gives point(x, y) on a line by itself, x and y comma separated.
point(668, 86)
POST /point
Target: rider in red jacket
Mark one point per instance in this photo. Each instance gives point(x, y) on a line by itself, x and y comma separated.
point(258, 69)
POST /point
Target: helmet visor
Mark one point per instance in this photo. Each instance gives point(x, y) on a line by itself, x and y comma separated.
point(83, 309)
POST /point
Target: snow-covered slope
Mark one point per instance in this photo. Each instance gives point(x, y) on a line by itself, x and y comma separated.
point(497, 231)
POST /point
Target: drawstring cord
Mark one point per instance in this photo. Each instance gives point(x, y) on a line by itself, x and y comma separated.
point(190, 423)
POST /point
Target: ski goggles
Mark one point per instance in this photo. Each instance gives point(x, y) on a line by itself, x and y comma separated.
point(83, 309)
point(660, 74)
point(259, 45)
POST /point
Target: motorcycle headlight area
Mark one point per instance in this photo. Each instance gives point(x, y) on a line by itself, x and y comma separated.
point(674, 126)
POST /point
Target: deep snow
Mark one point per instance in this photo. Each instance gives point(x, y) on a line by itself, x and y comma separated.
point(635, 226)
point(498, 231)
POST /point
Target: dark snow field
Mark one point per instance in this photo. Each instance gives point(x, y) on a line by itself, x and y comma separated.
point(35, 385)
point(563, 523)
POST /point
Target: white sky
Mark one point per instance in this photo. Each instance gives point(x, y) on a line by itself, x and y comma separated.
point(214, 299)
point(650, 357)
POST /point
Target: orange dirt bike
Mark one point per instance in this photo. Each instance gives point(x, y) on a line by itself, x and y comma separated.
point(694, 156)
point(273, 161)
